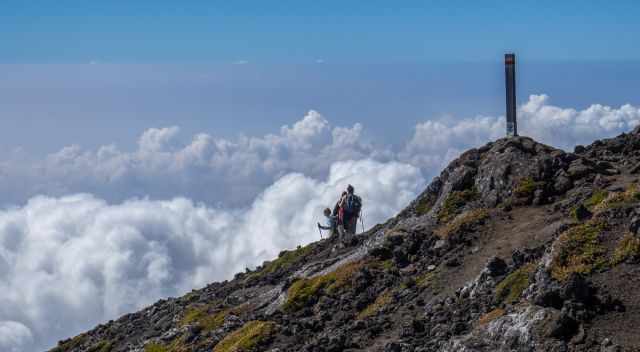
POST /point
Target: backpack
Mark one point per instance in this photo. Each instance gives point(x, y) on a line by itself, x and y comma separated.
point(352, 205)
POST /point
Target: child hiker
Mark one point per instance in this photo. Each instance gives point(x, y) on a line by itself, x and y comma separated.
point(332, 222)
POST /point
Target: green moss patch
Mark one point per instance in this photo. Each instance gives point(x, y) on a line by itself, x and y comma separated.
point(247, 338)
point(455, 202)
point(381, 301)
point(408, 282)
point(580, 213)
point(303, 291)
point(431, 280)
point(596, 198)
point(424, 205)
point(70, 344)
point(619, 199)
point(463, 222)
point(526, 187)
point(627, 248)
point(384, 265)
point(206, 318)
point(287, 259)
point(201, 316)
point(155, 347)
point(177, 345)
point(579, 250)
point(103, 346)
point(510, 289)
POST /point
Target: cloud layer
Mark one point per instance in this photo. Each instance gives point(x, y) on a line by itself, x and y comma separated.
point(88, 235)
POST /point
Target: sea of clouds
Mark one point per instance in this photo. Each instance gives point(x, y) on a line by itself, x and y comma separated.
point(87, 235)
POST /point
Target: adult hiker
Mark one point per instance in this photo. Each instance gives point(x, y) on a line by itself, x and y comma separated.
point(350, 206)
point(338, 212)
point(332, 223)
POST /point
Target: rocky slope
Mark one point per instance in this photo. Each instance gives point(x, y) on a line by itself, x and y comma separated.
point(516, 246)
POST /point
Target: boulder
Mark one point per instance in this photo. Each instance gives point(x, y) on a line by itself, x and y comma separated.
point(581, 213)
point(496, 267)
point(634, 225)
point(579, 169)
point(562, 326)
point(562, 183)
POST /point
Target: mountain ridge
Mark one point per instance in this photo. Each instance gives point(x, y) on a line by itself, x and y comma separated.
point(515, 246)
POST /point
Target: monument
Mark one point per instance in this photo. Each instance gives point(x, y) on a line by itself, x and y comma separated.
point(510, 82)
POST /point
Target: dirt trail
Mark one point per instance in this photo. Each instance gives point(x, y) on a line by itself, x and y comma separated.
point(624, 280)
point(505, 232)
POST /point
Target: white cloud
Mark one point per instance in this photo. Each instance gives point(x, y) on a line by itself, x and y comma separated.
point(435, 143)
point(14, 337)
point(566, 127)
point(157, 139)
point(69, 263)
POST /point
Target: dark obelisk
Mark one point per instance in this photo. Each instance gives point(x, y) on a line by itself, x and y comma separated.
point(510, 81)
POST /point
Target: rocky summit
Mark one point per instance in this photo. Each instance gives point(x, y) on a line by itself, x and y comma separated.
point(516, 246)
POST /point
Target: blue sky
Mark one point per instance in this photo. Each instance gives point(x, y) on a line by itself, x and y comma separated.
point(102, 72)
point(45, 107)
point(303, 31)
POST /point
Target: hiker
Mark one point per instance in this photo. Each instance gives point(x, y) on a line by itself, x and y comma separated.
point(332, 222)
point(350, 206)
point(338, 212)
